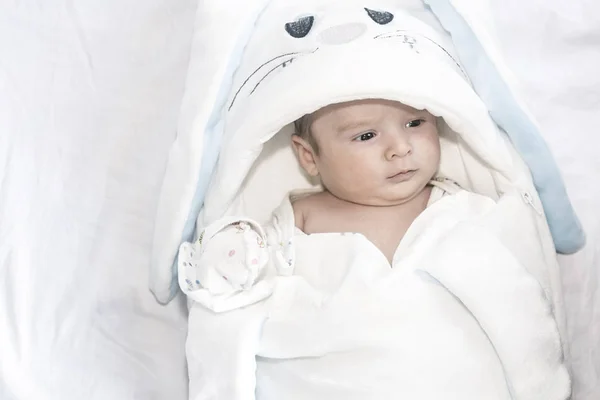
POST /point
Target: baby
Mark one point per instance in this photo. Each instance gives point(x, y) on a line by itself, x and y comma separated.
point(375, 159)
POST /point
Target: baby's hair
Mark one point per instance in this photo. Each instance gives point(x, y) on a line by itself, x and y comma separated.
point(302, 128)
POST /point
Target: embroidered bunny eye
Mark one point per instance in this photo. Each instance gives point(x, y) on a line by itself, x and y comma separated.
point(381, 17)
point(301, 27)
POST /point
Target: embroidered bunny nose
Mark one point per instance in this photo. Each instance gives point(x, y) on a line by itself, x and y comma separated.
point(341, 34)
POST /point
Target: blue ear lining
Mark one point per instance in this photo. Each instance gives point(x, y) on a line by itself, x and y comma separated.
point(566, 230)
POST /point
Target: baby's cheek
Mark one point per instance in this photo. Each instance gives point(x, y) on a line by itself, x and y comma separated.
point(346, 173)
point(365, 172)
point(429, 145)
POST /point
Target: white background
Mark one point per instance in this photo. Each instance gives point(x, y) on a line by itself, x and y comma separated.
point(90, 93)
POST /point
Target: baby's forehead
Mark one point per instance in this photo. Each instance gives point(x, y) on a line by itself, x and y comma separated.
point(368, 109)
point(351, 107)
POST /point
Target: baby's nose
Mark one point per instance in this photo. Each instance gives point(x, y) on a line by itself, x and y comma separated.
point(343, 33)
point(399, 147)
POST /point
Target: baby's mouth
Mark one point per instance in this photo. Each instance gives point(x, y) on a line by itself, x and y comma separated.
point(402, 176)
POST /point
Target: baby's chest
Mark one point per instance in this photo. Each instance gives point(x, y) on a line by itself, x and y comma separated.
point(385, 233)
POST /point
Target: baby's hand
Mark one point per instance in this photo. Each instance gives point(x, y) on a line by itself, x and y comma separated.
point(225, 268)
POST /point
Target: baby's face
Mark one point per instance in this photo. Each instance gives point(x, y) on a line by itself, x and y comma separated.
point(375, 152)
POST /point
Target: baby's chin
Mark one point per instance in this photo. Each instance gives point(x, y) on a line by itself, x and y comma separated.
point(399, 196)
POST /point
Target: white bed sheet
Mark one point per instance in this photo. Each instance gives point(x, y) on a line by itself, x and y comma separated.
point(89, 100)
point(553, 47)
point(89, 103)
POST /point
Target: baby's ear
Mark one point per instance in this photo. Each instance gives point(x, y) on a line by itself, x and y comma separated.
point(305, 154)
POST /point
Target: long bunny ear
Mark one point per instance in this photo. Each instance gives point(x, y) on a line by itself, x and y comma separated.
point(221, 34)
point(473, 41)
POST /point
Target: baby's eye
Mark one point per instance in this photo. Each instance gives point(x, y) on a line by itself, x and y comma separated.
point(365, 136)
point(415, 123)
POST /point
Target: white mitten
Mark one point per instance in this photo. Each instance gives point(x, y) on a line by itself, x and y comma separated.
point(225, 268)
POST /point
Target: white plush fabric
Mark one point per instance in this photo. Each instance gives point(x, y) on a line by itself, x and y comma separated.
point(456, 316)
point(474, 153)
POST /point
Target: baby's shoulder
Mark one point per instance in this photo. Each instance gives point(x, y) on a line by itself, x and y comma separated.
point(310, 201)
point(306, 205)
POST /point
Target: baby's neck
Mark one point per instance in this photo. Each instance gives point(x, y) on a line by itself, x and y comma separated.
point(418, 203)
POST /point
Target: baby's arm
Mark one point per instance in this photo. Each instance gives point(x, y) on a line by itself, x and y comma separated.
point(224, 269)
